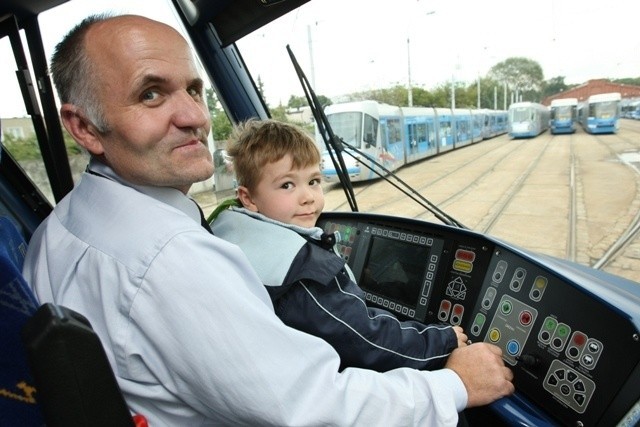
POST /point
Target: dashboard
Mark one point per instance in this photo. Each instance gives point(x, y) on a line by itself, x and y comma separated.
point(569, 333)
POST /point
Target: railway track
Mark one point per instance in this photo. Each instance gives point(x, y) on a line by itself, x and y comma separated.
point(626, 148)
point(568, 196)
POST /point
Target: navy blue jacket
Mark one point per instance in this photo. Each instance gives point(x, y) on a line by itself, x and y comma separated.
point(314, 291)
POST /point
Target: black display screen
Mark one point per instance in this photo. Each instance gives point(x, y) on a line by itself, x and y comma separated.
point(395, 269)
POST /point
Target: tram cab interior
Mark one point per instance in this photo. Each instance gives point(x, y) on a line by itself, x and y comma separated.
point(571, 334)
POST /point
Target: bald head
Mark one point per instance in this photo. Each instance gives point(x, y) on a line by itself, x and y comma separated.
point(99, 41)
point(132, 96)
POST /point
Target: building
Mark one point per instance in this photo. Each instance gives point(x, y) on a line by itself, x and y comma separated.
point(17, 127)
point(595, 87)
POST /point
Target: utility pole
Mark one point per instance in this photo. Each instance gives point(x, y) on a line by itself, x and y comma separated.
point(409, 85)
point(313, 73)
point(409, 90)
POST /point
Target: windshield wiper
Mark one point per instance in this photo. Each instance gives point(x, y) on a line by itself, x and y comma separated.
point(332, 142)
point(335, 148)
point(402, 186)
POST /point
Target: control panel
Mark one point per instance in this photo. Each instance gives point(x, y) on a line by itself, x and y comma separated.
point(574, 354)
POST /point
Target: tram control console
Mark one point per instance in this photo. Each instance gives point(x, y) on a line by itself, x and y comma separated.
point(569, 333)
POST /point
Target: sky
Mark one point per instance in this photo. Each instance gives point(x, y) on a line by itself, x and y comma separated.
point(452, 39)
point(346, 46)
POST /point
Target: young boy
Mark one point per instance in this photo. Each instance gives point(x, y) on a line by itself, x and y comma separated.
point(277, 166)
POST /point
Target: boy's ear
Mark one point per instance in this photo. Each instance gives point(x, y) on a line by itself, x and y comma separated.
point(244, 195)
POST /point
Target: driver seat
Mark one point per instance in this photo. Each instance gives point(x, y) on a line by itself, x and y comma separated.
point(53, 368)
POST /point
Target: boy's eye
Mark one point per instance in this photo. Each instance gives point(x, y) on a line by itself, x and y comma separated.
point(286, 185)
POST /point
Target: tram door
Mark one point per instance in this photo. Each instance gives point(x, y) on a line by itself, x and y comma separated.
point(391, 153)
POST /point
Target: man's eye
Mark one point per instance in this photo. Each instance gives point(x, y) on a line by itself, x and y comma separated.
point(195, 92)
point(150, 95)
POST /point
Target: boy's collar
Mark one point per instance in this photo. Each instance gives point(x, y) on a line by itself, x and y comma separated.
point(315, 233)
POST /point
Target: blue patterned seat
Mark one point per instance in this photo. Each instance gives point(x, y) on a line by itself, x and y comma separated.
point(18, 398)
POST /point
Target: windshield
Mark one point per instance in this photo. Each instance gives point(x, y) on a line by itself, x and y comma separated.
point(522, 114)
point(562, 113)
point(604, 110)
point(347, 126)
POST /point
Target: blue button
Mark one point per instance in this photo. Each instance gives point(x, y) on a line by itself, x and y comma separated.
point(513, 347)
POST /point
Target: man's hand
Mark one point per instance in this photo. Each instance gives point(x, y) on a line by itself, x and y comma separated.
point(461, 336)
point(484, 374)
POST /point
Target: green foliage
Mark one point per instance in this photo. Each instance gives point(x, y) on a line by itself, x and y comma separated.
point(279, 113)
point(628, 81)
point(554, 86)
point(297, 101)
point(520, 74)
point(301, 101)
point(28, 149)
point(220, 124)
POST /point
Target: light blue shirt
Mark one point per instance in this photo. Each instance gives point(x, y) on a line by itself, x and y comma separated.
point(190, 330)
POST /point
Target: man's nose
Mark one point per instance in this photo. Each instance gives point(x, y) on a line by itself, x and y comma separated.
point(189, 112)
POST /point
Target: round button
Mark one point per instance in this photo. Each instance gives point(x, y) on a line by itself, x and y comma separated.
point(513, 347)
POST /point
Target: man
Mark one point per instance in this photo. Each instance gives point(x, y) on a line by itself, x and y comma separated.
point(188, 326)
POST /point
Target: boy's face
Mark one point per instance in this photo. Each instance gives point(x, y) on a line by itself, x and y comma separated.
point(292, 196)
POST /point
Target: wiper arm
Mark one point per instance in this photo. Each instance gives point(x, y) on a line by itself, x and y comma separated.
point(331, 141)
point(335, 148)
point(403, 186)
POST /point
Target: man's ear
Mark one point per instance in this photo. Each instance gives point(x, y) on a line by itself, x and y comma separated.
point(81, 129)
point(244, 195)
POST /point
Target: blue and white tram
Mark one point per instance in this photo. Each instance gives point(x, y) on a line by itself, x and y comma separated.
point(600, 113)
point(527, 119)
point(630, 108)
point(563, 115)
point(494, 122)
point(634, 111)
point(394, 136)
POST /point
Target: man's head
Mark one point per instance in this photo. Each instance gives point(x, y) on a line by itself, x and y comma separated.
point(278, 170)
point(131, 95)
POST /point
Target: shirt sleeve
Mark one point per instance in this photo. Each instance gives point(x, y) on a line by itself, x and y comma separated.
point(203, 326)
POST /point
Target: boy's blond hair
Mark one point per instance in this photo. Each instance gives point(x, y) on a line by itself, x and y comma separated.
point(255, 143)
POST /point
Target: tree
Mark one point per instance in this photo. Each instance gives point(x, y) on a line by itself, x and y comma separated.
point(297, 102)
point(634, 81)
point(220, 125)
point(554, 86)
point(521, 75)
point(260, 87)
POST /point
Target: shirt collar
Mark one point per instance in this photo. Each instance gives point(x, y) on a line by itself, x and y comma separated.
point(168, 195)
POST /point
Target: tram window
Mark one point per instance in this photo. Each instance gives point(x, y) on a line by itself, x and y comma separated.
point(522, 114)
point(18, 135)
point(445, 127)
point(370, 130)
point(395, 134)
point(347, 126)
point(603, 109)
point(394, 269)
point(421, 132)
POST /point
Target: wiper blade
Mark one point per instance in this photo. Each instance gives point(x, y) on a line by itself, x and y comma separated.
point(402, 186)
point(331, 141)
point(335, 148)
